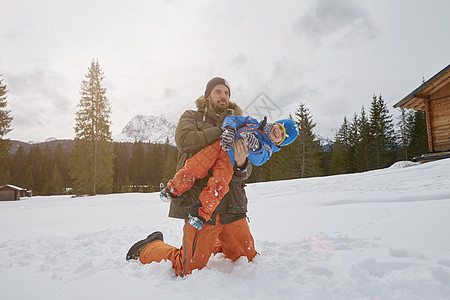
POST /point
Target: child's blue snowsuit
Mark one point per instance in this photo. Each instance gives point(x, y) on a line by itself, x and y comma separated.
point(246, 124)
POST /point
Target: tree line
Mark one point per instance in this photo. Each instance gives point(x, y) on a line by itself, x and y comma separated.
point(370, 140)
point(138, 167)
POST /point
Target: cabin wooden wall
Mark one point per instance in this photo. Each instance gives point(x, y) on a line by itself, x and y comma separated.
point(439, 119)
point(8, 195)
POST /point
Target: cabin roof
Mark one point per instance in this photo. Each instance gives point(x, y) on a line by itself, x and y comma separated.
point(414, 100)
point(13, 187)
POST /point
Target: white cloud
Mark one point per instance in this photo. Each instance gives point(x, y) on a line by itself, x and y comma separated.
point(343, 22)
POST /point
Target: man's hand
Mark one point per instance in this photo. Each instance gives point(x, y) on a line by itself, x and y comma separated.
point(240, 152)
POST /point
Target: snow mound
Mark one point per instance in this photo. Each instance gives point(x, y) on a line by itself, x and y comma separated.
point(404, 164)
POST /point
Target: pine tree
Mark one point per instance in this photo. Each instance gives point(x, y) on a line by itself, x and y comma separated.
point(5, 176)
point(5, 120)
point(121, 165)
point(159, 164)
point(28, 179)
point(35, 166)
point(56, 183)
point(353, 141)
point(170, 162)
point(91, 164)
point(136, 167)
point(62, 163)
point(305, 150)
point(326, 154)
point(47, 165)
point(363, 145)
point(382, 134)
point(339, 160)
point(150, 164)
point(154, 162)
point(276, 168)
point(405, 124)
point(19, 161)
point(419, 135)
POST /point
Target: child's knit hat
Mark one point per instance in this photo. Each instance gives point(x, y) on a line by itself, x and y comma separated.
point(290, 131)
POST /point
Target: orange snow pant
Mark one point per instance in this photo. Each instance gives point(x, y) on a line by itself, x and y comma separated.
point(211, 157)
point(234, 240)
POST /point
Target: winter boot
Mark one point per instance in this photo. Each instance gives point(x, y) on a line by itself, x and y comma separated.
point(137, 248)
point(166, 195)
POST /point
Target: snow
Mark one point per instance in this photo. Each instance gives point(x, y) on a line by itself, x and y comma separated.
point(375, 235)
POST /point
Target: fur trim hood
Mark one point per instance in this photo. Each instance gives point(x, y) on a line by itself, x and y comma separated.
point(201, 104)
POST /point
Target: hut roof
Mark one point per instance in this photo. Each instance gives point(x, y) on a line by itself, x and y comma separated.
point(13, 187)
point(415, 99)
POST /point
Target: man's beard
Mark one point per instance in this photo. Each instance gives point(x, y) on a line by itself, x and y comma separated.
point(217, 108)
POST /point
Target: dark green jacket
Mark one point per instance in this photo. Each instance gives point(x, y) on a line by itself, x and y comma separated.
point(195, 131)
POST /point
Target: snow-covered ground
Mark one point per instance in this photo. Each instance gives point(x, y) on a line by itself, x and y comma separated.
point(376, 235)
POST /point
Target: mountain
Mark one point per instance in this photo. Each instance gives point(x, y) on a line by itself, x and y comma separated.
point(148, 129)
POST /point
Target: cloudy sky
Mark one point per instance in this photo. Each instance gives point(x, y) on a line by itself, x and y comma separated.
point(331, 55)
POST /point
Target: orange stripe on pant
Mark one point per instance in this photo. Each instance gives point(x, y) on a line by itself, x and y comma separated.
point(211, 157)
point(198, 245)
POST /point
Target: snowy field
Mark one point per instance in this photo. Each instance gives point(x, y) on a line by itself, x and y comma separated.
point(376, 235)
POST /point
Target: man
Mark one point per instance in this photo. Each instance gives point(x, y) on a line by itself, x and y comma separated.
point(227, 230)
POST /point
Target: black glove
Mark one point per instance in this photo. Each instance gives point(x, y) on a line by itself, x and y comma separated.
point(194, 219)
point(166, 196)
point(251, 141)
point(263, 123)
point(227, 141)
point(196, 222)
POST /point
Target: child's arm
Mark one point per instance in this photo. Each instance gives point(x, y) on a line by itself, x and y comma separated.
point(260, 156)
point(236, 122)
point(230, 126)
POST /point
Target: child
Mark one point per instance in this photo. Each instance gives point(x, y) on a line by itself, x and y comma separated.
point(262, 138)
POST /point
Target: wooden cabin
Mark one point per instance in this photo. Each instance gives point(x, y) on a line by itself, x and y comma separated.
point(433, 97)
point(10, 192)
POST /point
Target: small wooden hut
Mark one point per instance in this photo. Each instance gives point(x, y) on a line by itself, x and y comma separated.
point(433, 97)
point(10, 192)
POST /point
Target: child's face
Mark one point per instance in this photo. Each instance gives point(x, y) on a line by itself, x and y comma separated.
point(276, 133)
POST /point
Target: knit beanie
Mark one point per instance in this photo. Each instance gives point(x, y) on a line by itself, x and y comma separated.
point(290, 130)
point(214, 82)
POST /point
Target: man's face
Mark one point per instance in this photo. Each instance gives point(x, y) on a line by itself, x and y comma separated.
point(218, 98)
point(276, 133)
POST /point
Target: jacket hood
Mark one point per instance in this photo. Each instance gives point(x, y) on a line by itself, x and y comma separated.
point(201, 104)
